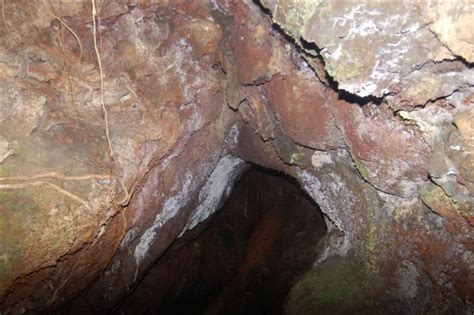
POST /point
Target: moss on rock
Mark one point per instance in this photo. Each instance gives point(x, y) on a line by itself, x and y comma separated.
point(336, 287)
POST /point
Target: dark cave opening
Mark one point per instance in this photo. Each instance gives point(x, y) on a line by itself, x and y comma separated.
point(243, 259)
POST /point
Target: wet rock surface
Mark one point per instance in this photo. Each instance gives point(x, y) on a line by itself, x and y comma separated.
point(125, 124)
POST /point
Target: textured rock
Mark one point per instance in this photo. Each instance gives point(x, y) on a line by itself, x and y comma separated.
point(379, 48)
point(55, 131)
point(368, 105)
point(304, 109)
point(451, 22)
point(393, 157)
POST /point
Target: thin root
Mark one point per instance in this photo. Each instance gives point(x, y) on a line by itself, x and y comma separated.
point(128, 195)
point(125, 200)
point(66, 26)
point(56, 176)
point(5, 23)
point(122, 236)
point(101, 73)
point(41, 183)
point(55, 293)
point(66, 67)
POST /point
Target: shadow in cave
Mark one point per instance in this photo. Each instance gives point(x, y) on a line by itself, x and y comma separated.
point(242, 260)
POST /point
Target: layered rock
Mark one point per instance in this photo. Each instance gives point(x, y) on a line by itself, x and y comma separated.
point(369, 106)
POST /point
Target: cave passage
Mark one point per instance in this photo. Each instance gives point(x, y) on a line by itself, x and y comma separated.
point(242, 260)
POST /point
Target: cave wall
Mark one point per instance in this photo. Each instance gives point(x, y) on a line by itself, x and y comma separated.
point(368, 106)
point(242, 260)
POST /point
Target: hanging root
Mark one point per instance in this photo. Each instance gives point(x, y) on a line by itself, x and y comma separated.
point(66, 26)
point(122, 236)
point(55, 293)
point(124, 203)
point(24, 182)
point(101, 73)
point(5, 23)
point(41, 183)
point(36, 180)
point(66, 67)
point(56, 176)
point(126, 199)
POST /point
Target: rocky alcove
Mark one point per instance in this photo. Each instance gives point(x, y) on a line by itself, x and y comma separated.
point(241, 260)
point(126, 125)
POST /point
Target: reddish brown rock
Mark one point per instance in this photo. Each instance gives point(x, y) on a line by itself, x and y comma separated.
point(192, 90)
point(386, 152)
point(252, 47)
point(304, 108)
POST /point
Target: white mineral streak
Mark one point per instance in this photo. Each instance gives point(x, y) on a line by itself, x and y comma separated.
point(216, 189)
point(233, 135)
point(326, 198)
point(171, 207)
point(336, 243)
point(332, 200)
point(369, 22)
point(319, 158)
point(223, 177)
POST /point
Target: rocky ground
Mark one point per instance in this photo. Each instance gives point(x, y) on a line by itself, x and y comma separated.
point(125, 124)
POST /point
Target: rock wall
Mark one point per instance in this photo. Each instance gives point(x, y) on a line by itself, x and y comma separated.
point(245, 258)
point(125, 123)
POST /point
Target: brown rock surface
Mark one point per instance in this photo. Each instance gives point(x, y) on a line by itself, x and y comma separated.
point(368, 105)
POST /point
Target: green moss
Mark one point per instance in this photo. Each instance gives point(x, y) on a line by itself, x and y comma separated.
point(336, 283)
point(294, 15)
point(2, 223)
point(335, 287)
point(372, 263)
point(9, 245)
point(3, 198)
point(347, 67)
point(21, 153)
point(361, 169)
point(345, 284)
point(21, 219)
point(426, 193)
point(342, 73)
point(5, 266)
point(300, 159)
point(440, 202)
point(435, 198)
